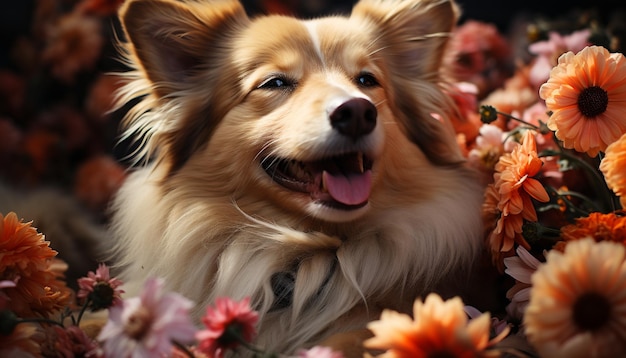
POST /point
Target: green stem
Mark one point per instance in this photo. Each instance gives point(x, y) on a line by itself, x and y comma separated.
point(597, 178)
point(183, 348)
point(41, 320)
point(82, 311)
point(537, 128)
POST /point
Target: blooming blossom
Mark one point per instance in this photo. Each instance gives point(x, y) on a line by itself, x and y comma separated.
point(438, 328)
point(549, 51)
point(577, 304)
point(521, 268)
point(511, 193)
point(226, 324)
point(598, 226)
point(26, 257)
point(100, 288)
point(613, 166)
point(145, 326)
point(71, 341)
point(585, 94)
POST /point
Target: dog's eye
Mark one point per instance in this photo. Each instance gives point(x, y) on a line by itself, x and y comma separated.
point(275, 82)
point(366, 80)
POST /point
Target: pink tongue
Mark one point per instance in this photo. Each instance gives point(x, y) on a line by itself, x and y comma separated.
point(350, 190)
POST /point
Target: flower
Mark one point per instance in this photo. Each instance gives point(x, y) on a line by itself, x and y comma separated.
point(21, 342)
point(25, 257)
point(71, 342)
point(513, 189)
point(100, 288)
point(74, 44)
point(319, 352)
point(438, 328)
point(598, 226)
point(146, 325)
point(613, 166)
point(521, 268)
point(549, 51)
point(585, 93)
point(226, 324)
point(578, 301)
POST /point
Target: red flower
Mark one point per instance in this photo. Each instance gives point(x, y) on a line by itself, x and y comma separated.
point(100, 288)
point(227, 324)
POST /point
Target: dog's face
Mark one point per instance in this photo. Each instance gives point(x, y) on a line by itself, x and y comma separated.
point(307, 114)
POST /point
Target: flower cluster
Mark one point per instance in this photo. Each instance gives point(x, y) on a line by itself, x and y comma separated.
point(38, 319)
point(551, 149)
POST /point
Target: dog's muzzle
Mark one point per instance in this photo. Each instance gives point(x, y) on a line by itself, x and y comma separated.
point(342, 182)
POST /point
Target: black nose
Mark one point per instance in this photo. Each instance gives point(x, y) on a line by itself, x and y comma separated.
point(354, 118)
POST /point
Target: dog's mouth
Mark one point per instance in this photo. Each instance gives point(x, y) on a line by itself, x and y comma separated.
point(342, 182)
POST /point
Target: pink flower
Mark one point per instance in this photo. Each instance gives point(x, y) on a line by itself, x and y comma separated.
point(319, 352)
point(72, 342)
point(145, 326)
point(100, 288)
point(521, 268)
point(227, 324)
point(549, 51)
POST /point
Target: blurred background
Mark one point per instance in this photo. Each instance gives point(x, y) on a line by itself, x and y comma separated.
point(61, 159)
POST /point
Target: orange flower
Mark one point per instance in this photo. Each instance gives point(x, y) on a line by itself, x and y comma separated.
point(440, 328)
point(510, 197)
point(26, 257)
point(22, 342)
point(585, 93)
point(577, 303)
point(598, 226)
point(613, 166)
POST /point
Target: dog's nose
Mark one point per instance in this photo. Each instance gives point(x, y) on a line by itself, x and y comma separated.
point(354, 118)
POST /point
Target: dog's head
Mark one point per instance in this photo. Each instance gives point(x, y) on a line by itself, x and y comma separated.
point(304, 110)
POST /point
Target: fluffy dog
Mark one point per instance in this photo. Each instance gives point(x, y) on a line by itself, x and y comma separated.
point(307, 164)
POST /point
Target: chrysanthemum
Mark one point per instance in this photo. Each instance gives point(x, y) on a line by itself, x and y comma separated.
point(509, 199)
point(145, 326)
point(598, 226)
point(578, 302)
point(439, 328)
point(514, 179)
point(100, 288)
point(586, 95)
point(25, 257)
point(21, 342)
point(521, 268)
point(613, 166)
point(226, 324)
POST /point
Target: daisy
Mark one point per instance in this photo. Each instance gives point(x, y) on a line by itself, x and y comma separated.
point(521, 268)
point(227, 324)
point(613, 166)
point(577, 304)
point(439, 328)
point(27, 259)
point(145, 326)
point(100, 288)
point(586, 95)
point(598, 226)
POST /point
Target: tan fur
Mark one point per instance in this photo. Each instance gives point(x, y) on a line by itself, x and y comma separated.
point(203, 214)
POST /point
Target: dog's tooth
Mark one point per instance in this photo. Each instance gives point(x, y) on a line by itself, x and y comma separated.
point(323, 184)
point(359, 159)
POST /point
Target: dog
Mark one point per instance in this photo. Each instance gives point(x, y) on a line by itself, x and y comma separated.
point(308, 164)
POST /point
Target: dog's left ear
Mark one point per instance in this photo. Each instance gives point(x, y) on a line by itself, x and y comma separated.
point(410, 37)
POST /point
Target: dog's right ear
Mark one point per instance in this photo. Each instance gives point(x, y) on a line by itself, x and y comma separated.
point(170, 39)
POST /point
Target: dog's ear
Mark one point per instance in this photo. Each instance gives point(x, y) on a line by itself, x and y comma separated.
point(169, 39)
point(409, 38)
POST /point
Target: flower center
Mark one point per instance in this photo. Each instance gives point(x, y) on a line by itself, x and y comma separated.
point(591, 311)
point(592, 101)
point(441, 354)
point(138, 323)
